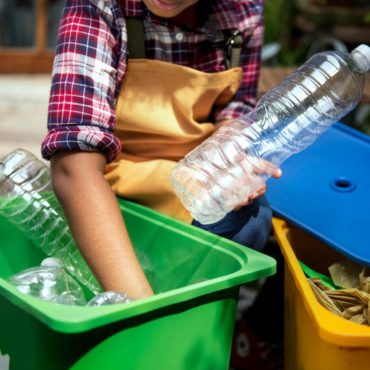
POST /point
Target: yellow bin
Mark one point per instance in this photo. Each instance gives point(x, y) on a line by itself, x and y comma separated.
point(315, 339)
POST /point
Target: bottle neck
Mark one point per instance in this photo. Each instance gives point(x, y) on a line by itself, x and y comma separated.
point(361, 58)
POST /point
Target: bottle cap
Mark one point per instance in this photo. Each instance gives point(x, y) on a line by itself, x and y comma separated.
point(361, 57)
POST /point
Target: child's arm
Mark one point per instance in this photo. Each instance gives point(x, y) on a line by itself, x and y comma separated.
point(96, 222)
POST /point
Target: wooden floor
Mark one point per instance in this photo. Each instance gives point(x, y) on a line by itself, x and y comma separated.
point(24, 98)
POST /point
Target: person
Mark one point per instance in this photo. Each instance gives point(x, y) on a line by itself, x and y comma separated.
point(135, 86)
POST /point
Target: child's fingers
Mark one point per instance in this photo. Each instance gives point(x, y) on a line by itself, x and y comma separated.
point(278, 173)
point(258, 168)
point(262, 167)
point(259, 192)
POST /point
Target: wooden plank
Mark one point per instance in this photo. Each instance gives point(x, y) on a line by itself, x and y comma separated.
point(271, 76)
point(347, 33)
point(30, 60)
point(23, 61)
point(41, 25)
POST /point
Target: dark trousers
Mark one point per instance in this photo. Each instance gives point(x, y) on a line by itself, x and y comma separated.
point(251, 226)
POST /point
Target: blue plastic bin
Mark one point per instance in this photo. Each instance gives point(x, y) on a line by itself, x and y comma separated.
point(325, 190)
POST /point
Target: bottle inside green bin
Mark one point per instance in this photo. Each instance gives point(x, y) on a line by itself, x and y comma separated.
point(28, 201)
point(49, 283)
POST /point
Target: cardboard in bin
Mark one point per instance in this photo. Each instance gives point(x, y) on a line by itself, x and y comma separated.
point(187, 324)
point(315, 338)
point(325, 190)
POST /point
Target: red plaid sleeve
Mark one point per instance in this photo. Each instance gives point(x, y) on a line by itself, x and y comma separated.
point(81, 111)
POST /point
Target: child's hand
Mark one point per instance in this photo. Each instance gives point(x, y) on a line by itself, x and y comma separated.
point(267, 168)
point(258, 167)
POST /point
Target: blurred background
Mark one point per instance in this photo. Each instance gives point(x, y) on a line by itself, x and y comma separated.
point(295, 29)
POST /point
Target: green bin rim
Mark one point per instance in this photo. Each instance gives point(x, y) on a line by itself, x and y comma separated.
point(74, 319)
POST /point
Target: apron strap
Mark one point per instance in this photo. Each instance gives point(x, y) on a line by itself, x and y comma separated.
point(233, 48)
point(135, 37)
point(136, 42)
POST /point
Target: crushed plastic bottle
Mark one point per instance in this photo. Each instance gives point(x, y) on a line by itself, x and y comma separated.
point(109, 298)
point(51, 262)
point(28, 201)
point(49, 283)
point(226, 168)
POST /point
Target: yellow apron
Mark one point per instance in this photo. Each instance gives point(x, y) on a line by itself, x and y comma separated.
point(162, 114)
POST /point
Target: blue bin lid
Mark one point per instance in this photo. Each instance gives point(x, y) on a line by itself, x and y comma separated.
point(325, 190)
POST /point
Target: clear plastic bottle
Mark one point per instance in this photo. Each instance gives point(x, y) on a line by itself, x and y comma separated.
point(220, 173)
point(49, 283)
point(109, 298)
point(28, 201)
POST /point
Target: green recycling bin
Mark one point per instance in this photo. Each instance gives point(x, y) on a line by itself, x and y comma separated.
point(187, 324)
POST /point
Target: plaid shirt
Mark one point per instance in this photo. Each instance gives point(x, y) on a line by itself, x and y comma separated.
point(91, 59)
